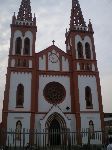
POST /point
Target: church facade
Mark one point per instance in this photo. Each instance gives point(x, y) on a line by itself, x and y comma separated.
point(52, 88)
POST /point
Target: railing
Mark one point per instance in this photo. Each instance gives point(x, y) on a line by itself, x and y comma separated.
point(52, 139)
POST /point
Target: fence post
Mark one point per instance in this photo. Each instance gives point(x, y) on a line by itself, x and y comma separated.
point(23, 138)
point(78, 137)
point(31, 136)
point(89, 137)
point(69, 139)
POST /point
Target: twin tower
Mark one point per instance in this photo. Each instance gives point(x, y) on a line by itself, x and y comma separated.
point(52, 88)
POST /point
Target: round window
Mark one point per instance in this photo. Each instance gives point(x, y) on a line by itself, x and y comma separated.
point(54, 92)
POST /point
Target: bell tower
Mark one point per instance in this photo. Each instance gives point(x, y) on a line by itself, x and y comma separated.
point(86, 90)
point(19, 94)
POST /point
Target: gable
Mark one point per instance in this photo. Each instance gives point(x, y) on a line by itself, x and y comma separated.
point(53, 59)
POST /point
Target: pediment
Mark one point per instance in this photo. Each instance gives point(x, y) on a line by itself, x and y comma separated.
point(53, 59)
point(52, 48)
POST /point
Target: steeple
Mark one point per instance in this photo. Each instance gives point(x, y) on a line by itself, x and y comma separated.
point(24, 16)
point(76, 15)
point(24, 13)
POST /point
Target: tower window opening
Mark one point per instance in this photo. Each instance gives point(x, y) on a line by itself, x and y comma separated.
point(80, 50)
point(87, 51)
point(88, 97)
point(20, 96)
point(27, 46)
point(18, 46)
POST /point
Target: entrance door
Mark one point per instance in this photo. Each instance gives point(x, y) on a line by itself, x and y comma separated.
point(55, 137)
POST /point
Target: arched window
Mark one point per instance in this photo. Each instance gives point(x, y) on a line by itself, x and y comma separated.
point(88, 97)
point(18, 130)
point(80, 50)
point(18, 45)
point(87, 51)
point(91, 130)
point(27, 46)
point(20, 96)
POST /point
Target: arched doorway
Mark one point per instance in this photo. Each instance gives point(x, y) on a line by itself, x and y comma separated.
point(54, 133)
point(56, 129)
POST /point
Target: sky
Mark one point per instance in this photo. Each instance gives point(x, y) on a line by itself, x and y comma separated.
point(53, 17)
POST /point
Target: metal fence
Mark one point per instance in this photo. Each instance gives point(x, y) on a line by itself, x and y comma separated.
point(61, 139)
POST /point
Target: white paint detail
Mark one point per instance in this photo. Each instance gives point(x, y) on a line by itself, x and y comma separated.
point(78, 66)
point(13, 63)
point(68, 47)
point(42, 63)
point(65, 64)
point(90, 81)
point(25, 22)
point(93, 67)
point(73, 121)
point(30, 63)
point(20, 78)
point(81, 28)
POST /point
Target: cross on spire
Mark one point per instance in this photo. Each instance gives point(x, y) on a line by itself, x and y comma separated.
point(53, 42)
point(24, 13)
point(76, 15)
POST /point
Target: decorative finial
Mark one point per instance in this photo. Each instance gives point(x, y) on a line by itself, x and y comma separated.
point(13, 18)
point(90, 28)
point(53, 42)
point(66, 30)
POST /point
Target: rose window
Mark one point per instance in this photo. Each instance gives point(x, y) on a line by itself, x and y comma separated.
point(54, 92)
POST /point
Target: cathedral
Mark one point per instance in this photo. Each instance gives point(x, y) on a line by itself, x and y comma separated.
point(52, 89)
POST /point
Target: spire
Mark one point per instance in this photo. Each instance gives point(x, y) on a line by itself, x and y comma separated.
point(76, 15)
point(13, 18)
point(24, 13)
